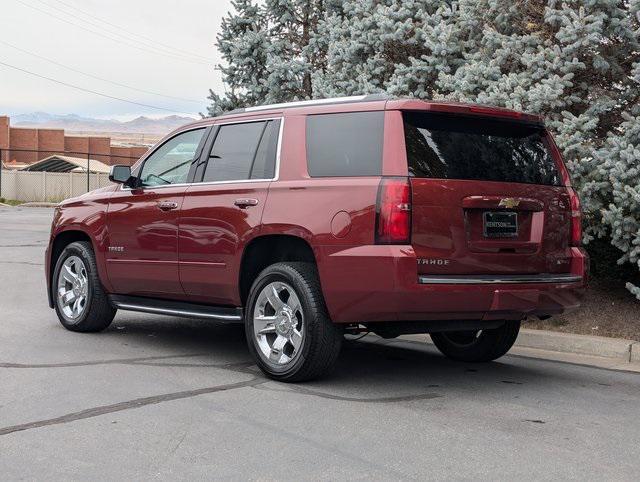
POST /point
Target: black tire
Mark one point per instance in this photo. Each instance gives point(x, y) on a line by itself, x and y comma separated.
point(468, 346)
point(322, 338)
point(98, 313)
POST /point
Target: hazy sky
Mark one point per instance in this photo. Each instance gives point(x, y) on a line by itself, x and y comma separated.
point(165, 46)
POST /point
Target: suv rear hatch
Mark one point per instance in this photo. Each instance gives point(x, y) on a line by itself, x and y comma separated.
point(488, 195)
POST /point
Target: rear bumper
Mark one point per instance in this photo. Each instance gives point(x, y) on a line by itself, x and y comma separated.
point(381, 283)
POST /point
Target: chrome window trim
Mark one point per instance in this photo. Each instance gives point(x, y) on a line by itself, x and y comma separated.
point(498, 279)
point(245, 121)
point(277, 164)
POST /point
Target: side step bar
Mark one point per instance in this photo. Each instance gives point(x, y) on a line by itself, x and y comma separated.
point(176, 308)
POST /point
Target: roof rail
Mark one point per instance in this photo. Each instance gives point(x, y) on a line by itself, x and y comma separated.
point(303, 103)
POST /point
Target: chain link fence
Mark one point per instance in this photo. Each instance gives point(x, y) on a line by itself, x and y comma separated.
point(28, 175)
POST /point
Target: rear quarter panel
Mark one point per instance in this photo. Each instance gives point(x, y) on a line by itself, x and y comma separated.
point(335, 215)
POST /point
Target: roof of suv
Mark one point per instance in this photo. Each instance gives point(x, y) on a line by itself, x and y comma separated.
point(372, 102)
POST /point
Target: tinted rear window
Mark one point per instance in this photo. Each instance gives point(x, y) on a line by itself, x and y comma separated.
point(456, 147)
point(345, 144)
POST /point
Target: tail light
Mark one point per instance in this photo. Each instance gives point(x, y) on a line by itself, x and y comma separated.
point(576, 218)
point(393, 211)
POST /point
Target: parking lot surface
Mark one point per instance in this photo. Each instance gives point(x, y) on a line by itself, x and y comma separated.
point(164, 398)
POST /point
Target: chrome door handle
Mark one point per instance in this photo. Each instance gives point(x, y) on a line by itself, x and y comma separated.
point(245, 203)
point(167, 205)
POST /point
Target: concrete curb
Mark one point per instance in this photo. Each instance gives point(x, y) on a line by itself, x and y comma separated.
point(37, 205)
point(625, 351)
point(635, 352)
point(601, 346)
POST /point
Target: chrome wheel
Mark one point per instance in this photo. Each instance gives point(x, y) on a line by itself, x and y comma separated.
point(278, 324)
point(73, 288)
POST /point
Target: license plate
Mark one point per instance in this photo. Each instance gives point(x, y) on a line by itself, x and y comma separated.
point(500, 224)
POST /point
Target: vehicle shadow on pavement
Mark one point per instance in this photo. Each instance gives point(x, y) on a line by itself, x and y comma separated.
point(375, 366)
point(413, 364)
point(216, 340)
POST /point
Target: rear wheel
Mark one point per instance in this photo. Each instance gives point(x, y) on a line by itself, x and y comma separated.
point(477, 345)
point(287, 326)
point(80, 301)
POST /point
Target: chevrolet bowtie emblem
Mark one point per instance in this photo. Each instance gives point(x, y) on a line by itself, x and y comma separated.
point(509, 203)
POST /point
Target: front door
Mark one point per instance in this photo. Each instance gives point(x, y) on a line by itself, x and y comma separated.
point(223, 211)
point(142, 223)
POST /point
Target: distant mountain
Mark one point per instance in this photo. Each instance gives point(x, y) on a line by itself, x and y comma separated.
point(73, 122)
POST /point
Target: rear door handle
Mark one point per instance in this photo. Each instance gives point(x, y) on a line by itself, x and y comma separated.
point(245, 203)
point(167, 205)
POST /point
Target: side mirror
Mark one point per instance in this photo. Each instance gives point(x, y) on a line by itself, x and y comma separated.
point(120, 174)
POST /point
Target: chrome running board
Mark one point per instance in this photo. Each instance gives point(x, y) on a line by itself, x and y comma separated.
point(176, 308)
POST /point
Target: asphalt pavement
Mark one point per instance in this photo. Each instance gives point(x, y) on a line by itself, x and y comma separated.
point(163, 398)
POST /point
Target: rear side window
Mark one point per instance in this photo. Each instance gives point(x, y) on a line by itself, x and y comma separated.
point(456, 147)
point(243, 151)
point(348, 144)
point(264, 164)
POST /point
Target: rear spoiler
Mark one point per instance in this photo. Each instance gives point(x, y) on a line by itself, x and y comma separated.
point(465, 109)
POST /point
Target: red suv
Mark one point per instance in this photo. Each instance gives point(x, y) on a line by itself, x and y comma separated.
point(310, 219)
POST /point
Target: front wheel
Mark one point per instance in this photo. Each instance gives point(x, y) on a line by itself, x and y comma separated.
point(477, 345)
point(79, 299)
point(287, 326)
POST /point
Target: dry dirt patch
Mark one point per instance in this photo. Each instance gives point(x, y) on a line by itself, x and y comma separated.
point(607, 310)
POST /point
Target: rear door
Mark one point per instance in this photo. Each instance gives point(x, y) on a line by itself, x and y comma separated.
point(223, 210)
point(487, 196)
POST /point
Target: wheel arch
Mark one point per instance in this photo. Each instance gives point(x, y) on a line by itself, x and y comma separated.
point(267, 249)
point(59, 242)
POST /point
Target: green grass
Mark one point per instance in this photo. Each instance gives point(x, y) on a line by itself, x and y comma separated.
point(10, 202)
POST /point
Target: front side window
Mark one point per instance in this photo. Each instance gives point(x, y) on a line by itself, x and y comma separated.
point(243, 151)
point(170, 163)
